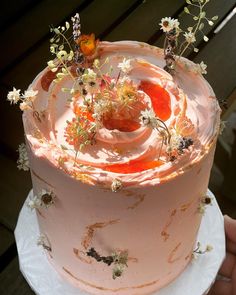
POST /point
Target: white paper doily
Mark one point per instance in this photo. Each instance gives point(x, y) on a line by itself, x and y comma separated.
point(195, 280)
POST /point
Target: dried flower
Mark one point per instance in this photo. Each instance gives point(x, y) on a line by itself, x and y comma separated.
point(190, 37)
point(30, 94)
point(184, 143)
point(148, 118)
point(204, 201)
point(76, 26)
point(23, 160)
point(222, 126)
point(24, 106)
point(87, 44)
point(14, 96)
point(116, 185)
point(167, 24)
point(44, 242)
point(89, 80)
point(201, 68)
point(80, 131)
point(43, 199)
point(125, 65)
point(34, 203)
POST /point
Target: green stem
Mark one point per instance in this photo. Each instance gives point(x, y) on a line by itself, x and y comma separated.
point(195, 31)
point(68, 71)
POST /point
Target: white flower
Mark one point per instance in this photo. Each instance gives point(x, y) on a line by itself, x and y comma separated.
point(23, 160)
point(30, 93)
point(89, 76)
point(189, 37)
point(34, 203)
point(148, 117)
point(201, 68)
point(25, 106)
point(167, 24)
point(13, 96)
point(125, 65)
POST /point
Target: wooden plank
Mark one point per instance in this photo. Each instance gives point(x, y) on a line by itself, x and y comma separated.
point(143, 22)
point(14, 188)
point(6, 239)
point(32, 27)
point(36, 61)
point(219, 55)
point(12, 282)
point(11, 13)
point(100, 14)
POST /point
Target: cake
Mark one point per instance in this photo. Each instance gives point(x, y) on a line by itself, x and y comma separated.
point(120, 146)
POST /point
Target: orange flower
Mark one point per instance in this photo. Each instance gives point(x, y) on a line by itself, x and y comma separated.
point(87, 44)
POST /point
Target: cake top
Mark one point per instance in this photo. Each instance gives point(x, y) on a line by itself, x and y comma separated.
point(121, 113)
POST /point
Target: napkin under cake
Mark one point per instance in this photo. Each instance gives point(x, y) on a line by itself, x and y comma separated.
point(120, 153)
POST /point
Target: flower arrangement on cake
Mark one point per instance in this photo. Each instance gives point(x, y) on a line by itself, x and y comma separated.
point(121, 139)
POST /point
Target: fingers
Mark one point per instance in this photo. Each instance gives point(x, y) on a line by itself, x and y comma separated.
point(234, 281)
point(231, 247)
point(228, 266)
point(230, 228)
point(221, 288)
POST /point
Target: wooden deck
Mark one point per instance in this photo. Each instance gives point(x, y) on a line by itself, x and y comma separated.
point(24, 32)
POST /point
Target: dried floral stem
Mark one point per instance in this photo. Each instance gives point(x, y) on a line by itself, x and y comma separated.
point(196, 28)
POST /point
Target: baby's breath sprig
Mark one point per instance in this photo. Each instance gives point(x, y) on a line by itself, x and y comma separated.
point(201, 19)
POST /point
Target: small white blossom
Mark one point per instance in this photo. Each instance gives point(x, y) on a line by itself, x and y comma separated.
point(167, 24)
point(89, 76)
point(96, 63)
point(201, 68)
point(148, 118)
point(23, 160)
point(13, 96)
point(30, 93)
point(190, 37)
point(34, 203)
point(125, 65)
point(25, 106)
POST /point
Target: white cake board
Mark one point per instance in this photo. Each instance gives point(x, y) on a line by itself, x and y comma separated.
point(195, 280)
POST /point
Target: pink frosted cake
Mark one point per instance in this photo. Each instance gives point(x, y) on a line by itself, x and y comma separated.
point(120, 154)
